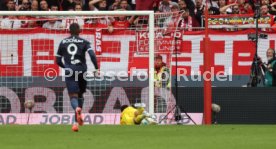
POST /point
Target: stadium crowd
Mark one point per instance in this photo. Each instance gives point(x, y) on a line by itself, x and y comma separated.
point(193, 10)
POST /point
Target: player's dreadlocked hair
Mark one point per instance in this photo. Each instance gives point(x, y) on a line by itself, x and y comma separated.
point(74, 29)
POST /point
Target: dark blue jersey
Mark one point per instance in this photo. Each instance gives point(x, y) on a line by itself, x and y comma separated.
point(73, 50)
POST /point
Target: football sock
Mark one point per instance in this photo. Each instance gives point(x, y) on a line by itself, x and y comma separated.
point(74, 103)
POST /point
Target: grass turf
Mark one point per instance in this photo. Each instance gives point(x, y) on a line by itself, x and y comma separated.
point(140, 137)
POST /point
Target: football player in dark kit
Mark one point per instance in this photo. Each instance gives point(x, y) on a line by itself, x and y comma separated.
point(72, 50)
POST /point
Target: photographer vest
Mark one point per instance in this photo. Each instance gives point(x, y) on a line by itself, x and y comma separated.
point(269, 76)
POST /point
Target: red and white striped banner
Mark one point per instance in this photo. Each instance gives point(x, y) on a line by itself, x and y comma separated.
point(30, 53)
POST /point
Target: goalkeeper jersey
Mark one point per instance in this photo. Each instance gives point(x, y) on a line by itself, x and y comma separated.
point(127, 116)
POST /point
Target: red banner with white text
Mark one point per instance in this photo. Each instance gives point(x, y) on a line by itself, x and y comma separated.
point(30, 53)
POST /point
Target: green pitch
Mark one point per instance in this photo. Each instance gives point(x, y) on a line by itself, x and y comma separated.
point(138, 137)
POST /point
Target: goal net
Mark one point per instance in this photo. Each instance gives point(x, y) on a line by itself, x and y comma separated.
point(127, 46)
point(29, 43)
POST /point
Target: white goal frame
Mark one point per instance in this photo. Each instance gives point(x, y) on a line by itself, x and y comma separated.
point(110, 13)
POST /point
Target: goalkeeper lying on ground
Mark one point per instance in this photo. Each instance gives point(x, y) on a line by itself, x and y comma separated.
point(134, 115)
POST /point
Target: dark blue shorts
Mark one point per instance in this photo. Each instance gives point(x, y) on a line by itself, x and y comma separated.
point(76, 85)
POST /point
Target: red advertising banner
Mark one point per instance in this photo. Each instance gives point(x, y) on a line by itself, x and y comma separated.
point(30, 53)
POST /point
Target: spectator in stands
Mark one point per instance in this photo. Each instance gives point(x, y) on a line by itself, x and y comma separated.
point(247, 8)
point(179, 20)
point(244, 7)
point(66, 4)
point(187, 21)
point(78, 7)
point(44, 5)
point(122, 21)
point(165, 5)
point(264, 10)
point(34, 5)
point(114, 5)
point(172, 20)
point(31, 24)
point(101, 22)
point(54, 8)
point(224, 8)
point(100, 4)
point(10, 22)
point(227, 9)
point(198, 10)
point(52, 24)
point(182, 5)
point(91, 7)
point(25, 5)
point(236, 9)
point(124, 5)
point(27, 23)
point(10, 5)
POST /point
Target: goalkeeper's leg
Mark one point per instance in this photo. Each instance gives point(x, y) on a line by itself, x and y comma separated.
point(150, 118)
point(138, 119)
point(139, 113)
